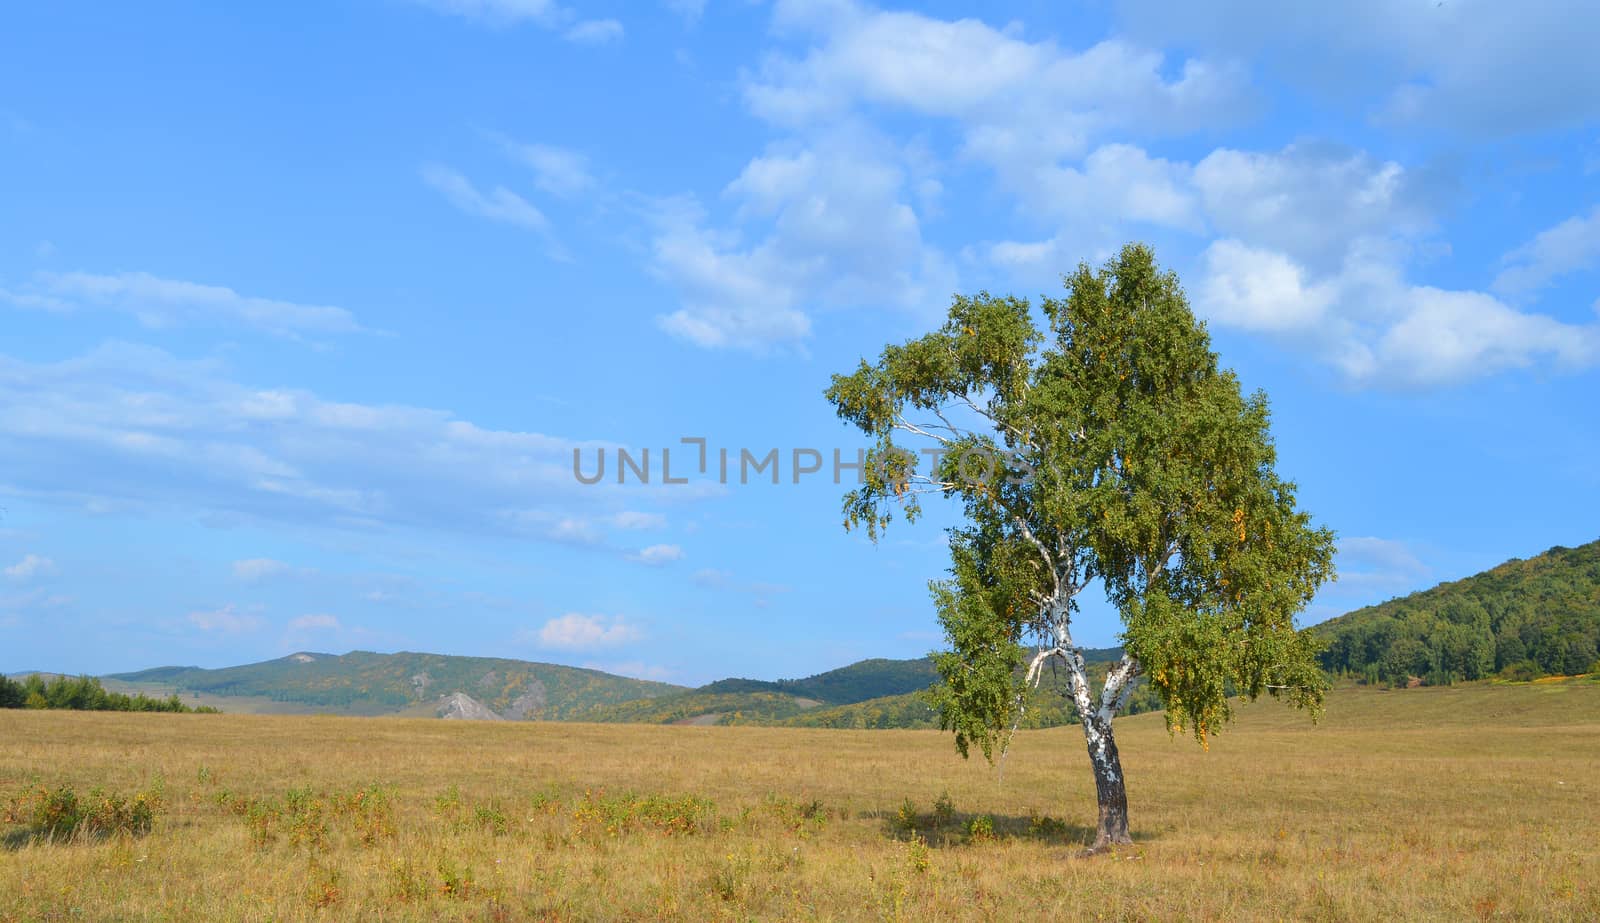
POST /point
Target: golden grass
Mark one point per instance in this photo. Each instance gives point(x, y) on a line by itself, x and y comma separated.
point(1460, 803)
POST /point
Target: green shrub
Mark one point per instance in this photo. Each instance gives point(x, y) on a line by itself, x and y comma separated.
point(980, 829)
point(60, 814)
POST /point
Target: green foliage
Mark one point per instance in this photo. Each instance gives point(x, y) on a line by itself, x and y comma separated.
point(615, 815)
point(61, 814)
point(83, 693)
point(726, 707)
point(1117, 452)
point(1520, 620)
point(12, 694)
point(981, 829)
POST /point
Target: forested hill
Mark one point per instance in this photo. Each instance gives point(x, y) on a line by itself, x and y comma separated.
point(1520, 620)
point(362, 682)
point(858, 682)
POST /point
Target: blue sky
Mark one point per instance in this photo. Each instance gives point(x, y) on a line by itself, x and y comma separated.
point(305, 307)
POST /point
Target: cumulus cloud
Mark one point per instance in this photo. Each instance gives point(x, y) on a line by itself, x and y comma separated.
point(1018, 98)
point(1259, 289)
point(159, 302)
point(833, 215)
point(576, 631)
point(31, 566)
point(833, 228)
point(226, 620)
point(1376, 328)
point(1317, 252)
point(1311, 200)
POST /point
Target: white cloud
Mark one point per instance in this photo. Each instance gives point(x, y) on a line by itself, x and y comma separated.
point(543, 13)
point(832, 217)
point(1446, 337)
point(226, 620)
point(1379, 329)
point(1017, 98)
point(575, 631)
point(130, 428)
point(158, 302)
point(558, 171)
point(498, 11)
point(314, 622)
point(31, 566)
point(834, 230)
point(659, 554)
point(632, 519)
point(1259, 290)
point(711, 577)
point(1480, 68)
point(258, 568)
point(690, 10)
point(498, 204)
point(594, 32)
point(1571, 246)
point(1309, 200)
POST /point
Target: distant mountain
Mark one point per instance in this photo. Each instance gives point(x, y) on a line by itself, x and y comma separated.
point(1520, 620)
point(866, 694)
point(366, 683)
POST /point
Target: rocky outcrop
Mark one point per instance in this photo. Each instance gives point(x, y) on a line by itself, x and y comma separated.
point(463, 707)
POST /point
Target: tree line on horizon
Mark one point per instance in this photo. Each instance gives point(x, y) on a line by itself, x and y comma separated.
point(85, 693)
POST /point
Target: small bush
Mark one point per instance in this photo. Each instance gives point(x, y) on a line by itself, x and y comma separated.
point(980, 829)
point(322, 887)
point(944, 810)
point(454, 880)
point(905, 819)
point(490, 818)
point(918, 857)
point(407, 884)
point(61, 814)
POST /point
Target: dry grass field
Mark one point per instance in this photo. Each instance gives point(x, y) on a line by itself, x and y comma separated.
point(1472, 802)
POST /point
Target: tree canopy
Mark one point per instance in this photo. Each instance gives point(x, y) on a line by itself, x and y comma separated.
point(1093, 442)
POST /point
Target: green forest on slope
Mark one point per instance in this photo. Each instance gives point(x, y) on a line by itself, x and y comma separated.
point(1521, 620)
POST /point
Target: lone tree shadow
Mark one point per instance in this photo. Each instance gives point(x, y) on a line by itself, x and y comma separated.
point(944, 827)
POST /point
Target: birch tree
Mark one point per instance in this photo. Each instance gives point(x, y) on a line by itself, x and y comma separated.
point(1092, 444)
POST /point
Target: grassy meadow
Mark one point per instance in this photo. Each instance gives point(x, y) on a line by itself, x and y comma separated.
point(1465, 802)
